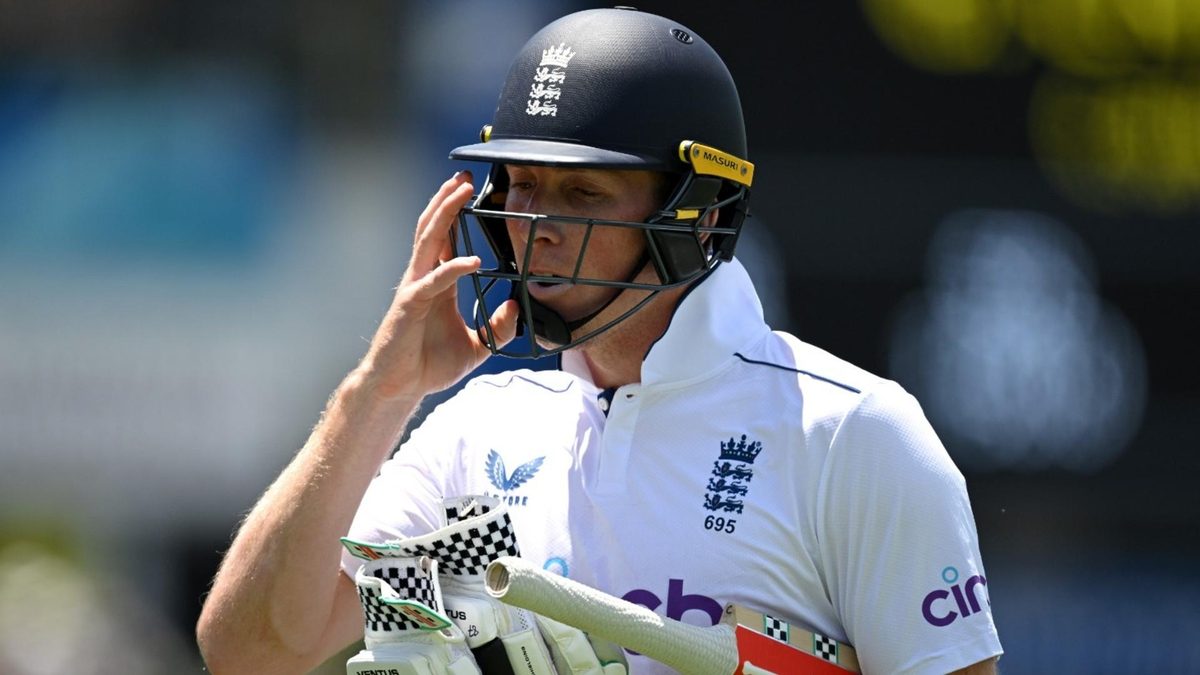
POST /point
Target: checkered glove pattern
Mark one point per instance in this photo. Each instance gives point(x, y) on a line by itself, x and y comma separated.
point(405, 629)
point(477, 530)
point(383, 585)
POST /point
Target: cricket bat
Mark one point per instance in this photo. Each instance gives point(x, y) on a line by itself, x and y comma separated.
point(743, 643)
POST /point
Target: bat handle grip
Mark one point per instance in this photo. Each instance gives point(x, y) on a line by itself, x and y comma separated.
point(691, 650)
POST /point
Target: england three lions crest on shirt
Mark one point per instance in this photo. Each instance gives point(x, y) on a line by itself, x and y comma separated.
point(729, 483)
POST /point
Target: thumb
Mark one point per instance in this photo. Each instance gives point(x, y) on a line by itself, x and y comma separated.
point(504, 322)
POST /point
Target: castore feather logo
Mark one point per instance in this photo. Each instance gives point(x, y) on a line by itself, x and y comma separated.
point(502, 480)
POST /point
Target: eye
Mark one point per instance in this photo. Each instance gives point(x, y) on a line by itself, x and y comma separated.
point(519, 178)
point(588, 193)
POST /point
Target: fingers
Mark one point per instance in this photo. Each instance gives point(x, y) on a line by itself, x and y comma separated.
point(432, 244)
point(434, 271)
point(444, 275)
point(504, 322)
point(440, 195)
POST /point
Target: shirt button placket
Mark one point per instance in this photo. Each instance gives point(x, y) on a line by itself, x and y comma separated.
point(618, 439)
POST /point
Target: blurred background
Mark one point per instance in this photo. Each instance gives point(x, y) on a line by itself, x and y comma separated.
point(204, 207)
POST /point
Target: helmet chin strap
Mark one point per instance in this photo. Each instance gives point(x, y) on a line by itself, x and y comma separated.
point(550, 325)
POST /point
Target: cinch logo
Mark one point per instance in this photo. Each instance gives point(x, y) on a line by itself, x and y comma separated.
point(940, 613)
point(678, 602)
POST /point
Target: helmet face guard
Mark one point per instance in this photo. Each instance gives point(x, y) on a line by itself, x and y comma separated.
point(611, 89)
point(680, 249)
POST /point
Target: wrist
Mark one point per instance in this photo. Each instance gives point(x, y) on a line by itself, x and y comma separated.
point(358, 415)
point(365, 385)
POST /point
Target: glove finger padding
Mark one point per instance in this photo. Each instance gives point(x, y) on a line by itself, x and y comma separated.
point(576, 652)
point(503, 639)
point(406, 632)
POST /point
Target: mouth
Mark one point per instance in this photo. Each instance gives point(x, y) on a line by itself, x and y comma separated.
point(547, 289)
point(544, 278)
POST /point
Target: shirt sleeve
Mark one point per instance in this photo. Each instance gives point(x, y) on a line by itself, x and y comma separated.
point(405, 497)
point(899, 545)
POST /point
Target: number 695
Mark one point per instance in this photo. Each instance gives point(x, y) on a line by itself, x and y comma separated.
point(720, 524)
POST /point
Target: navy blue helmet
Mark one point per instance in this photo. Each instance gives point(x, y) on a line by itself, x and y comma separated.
point(612, 89)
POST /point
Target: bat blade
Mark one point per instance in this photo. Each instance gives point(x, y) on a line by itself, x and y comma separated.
point(769, 645)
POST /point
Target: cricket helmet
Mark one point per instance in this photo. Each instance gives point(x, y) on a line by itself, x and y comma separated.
point(612, 89)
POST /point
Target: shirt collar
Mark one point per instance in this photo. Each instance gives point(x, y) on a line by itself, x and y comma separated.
point(718, 316)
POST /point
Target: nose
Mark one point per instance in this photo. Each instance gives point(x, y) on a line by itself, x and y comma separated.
point(540, 230)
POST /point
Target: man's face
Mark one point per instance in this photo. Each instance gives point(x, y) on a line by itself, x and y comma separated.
point(612, 253)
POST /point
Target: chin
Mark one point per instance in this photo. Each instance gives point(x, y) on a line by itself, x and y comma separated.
point(545, 343)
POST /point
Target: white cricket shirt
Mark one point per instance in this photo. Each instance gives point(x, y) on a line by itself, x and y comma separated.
point(746, 466)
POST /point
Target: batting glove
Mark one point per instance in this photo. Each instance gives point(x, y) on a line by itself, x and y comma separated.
point(406, 631)
point(503, 639)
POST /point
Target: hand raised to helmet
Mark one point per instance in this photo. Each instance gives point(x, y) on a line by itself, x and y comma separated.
point(423, 345)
